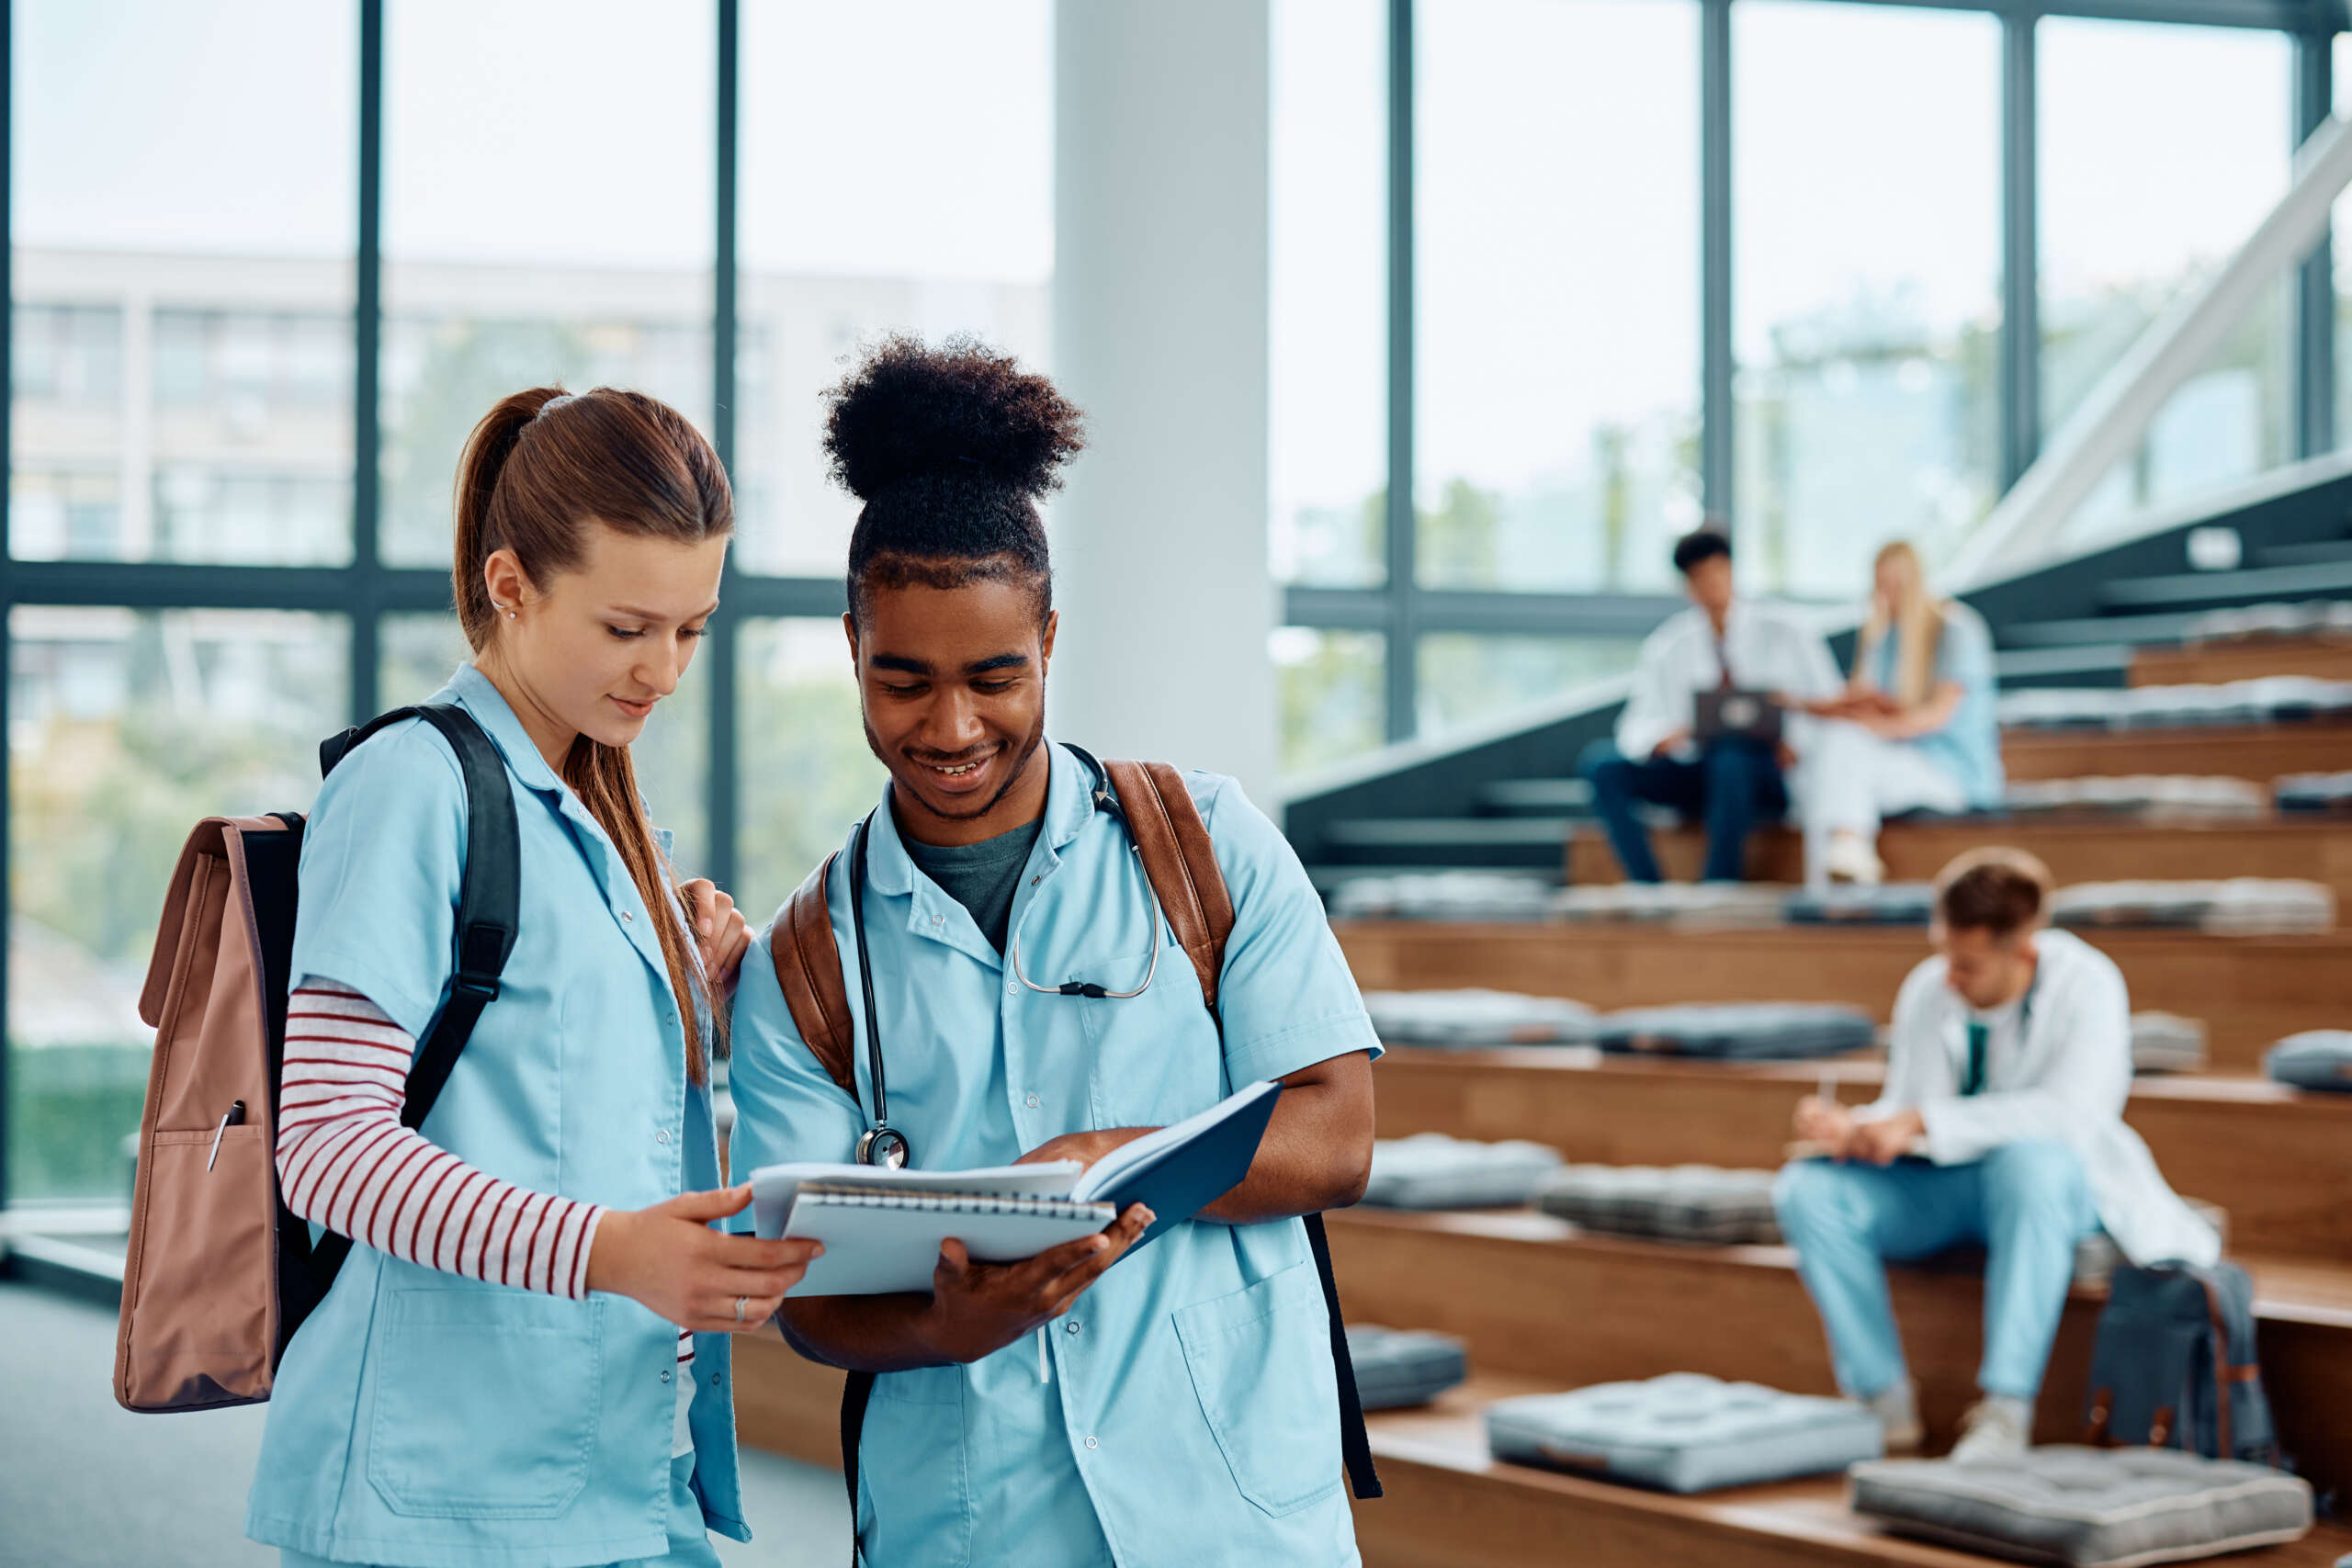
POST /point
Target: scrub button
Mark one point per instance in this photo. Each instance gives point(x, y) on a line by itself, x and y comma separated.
point(1032, 1102)
point(662, 1137)
point(665, 1377)
point(938, 920)
point(715, 1380)
point(1073, 1325)
point(629, 915)
point(1013, 988)
point(1093, 1444)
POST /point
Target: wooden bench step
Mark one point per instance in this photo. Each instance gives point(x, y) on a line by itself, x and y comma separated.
point(1538, 1298)
point(2260, 752)
point(2250, 990)
point(2314, 846)
point(2328, 658)
point(2280, 1161)
point(1451, 1506)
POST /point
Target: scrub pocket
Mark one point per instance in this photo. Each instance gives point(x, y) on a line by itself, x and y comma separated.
point(1260, 1363)
point(913, 1480)
point(486, 1402)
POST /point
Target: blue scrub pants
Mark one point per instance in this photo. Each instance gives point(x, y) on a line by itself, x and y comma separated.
point(689, 1540)
point(1733, 783)
point(2028, 1203)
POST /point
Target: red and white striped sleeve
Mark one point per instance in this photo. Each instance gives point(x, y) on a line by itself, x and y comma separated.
point(346, 1162)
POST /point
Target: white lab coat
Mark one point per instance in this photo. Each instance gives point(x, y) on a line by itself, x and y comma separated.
point(1771, 649)
point(2065, 1081)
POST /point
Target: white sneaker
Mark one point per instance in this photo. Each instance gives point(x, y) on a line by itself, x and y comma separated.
point(1897, 1409)
point(1996, 1431)
point(1849, 858)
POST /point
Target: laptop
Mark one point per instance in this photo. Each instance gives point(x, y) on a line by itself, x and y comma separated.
point(1748, 716)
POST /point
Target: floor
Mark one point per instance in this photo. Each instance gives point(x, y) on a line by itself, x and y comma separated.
point(84, 1483)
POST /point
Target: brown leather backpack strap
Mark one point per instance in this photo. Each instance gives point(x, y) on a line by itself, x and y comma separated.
point(808, 968)
point(1180, 860)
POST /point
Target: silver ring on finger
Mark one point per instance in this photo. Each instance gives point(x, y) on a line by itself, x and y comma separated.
point(743, 1304)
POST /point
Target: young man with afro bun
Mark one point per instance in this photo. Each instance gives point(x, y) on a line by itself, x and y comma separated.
point(1183, 1407)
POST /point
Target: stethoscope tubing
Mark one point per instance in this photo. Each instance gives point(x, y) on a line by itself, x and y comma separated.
point(881, 1141)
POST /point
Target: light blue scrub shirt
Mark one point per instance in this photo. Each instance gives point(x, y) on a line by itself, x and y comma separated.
point(423, 1418)
point(1969, 745)
point(1193, 1416)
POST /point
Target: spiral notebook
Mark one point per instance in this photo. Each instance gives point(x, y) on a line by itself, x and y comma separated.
point(878, 1241)
point(882, 1228)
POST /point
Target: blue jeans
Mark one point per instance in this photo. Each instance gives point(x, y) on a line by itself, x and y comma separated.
point(1732, 784)
point(2028, 1203)
point(689, 1540)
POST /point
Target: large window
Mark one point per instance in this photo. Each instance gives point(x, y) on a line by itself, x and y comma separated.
point(125, 728)
point(1867, 274)
point(1556, 339)
point(916, 197)
point(2161, 148)
point(548, 191)
point(1328, 366)
point(182, 232)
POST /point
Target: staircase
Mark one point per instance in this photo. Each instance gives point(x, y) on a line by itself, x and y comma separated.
point(2114, 618)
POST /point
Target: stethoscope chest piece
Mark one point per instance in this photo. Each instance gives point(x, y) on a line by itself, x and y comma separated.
point(885, 1146)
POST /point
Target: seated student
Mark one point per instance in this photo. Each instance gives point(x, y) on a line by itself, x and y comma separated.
point(1915, 729)
point(1184, 1406)
point(2001, 1123)
point(1721, 643)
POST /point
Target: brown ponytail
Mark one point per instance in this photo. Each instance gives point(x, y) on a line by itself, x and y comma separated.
point(537, 469)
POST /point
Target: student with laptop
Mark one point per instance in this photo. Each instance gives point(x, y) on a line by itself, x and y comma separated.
point(2001, 1124)
point(1175, 1402)
point(1915, 730)
point(1702, 729)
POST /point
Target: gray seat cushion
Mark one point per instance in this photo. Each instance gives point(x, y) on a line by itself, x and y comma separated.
point(2167, 1043)
point(1738, 1030)
point(1395, 1368)
point(2314, 791)
point(1473, 1018)
point(2236, 905)
point(2089, 1508)
point(1430, 1171)
point(2319, 1058)
point(1686, 1203)
point(1683, 1432)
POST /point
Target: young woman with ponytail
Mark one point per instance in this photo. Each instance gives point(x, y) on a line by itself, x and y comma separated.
point(524, 1360)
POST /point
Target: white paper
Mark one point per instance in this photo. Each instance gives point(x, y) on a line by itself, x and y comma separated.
point(775, 1185)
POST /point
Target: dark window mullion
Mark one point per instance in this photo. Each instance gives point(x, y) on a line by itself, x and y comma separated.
point(1401, 683)
point(367, 325)
point(722, 755)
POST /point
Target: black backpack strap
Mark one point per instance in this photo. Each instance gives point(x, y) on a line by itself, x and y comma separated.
point(1355, 1443)
point(489, 911)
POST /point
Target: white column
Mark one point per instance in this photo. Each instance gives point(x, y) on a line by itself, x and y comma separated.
point(1159, 334)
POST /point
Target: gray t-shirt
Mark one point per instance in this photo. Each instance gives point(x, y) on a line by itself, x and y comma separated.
point(982, 877)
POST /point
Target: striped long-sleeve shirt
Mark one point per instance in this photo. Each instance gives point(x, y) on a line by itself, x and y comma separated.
point(345, 1162)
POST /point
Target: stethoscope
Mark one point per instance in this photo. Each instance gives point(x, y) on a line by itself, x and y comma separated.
point(881, 1144)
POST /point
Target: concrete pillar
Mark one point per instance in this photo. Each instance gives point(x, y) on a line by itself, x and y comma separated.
point(1159, 334)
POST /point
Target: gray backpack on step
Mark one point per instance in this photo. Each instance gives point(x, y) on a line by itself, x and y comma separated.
point(2173, 1364)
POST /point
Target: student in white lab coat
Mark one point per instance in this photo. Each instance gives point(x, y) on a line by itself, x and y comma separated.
point(1722, 642)
point(2001, 1123)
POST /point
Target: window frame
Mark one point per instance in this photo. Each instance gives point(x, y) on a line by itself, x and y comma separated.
point(366, 591)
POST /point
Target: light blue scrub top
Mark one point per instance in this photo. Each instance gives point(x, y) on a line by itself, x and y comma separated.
point(423, 1418)
point(1193, 1416)
point(1969, 745)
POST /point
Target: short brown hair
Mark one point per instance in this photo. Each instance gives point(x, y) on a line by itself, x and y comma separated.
point(1998, 890)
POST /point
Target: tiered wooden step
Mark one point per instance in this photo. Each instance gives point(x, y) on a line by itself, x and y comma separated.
point(1449, 1505)
point(2259, 752)
point(2278, 1161)
point(2250, 659)
point(2079, 848)
point(1538, 1298)
point(2250, 990)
